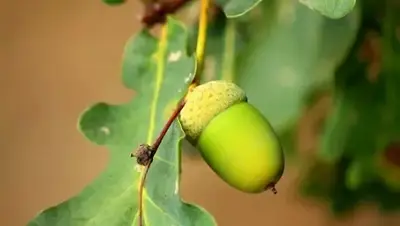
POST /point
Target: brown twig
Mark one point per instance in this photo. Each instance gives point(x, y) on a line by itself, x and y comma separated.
point(145, 154)
point(141, 189)
point(156, 11)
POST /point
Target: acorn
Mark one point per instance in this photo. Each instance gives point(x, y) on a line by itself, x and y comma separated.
point(233, 137)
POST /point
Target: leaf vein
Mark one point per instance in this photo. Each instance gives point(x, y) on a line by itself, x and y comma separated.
point(159, 78)
point(161, 210)
point(165, 161)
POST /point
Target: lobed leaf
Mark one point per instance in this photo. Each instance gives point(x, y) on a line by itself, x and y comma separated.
point(334, 9)
point(236, 8)
point(160, 71)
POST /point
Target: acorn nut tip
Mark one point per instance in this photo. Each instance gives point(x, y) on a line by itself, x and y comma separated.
point(233, 137)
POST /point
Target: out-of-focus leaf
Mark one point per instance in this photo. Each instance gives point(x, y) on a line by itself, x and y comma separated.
point(160, 71)
point(283, 63)
point(354, 127)
point(327, 182)
point(342, 199)
point(352, 112)
point(224, 43)
point(236, 8)
point(337, 36)
point(331, 8)
point(390, 114)
point(359, 173)
point(354, 176)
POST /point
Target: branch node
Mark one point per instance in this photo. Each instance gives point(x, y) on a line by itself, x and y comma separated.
point(144, 154)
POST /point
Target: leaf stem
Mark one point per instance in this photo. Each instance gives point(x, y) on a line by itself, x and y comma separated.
point(201, 39)
point(171, 119)
point(141, 189)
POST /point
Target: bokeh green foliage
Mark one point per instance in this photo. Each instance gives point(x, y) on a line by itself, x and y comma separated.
point(364, 120)
point(285, 54)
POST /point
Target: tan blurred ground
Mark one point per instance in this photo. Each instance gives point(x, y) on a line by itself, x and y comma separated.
point(56, 58)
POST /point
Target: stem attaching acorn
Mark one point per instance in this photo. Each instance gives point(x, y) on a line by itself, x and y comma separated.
point(233, 137)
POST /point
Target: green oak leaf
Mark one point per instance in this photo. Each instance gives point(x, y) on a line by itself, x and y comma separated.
point(280, 61)
point(336, 38)
point(159, 71)
point(334, 9)
point(236, 8)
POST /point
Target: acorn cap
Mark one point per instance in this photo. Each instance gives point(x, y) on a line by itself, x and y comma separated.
point(205, 102)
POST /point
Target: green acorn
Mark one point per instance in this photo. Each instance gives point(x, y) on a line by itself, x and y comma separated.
point(233, 137)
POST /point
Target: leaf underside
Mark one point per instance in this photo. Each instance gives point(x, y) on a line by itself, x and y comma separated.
point(236, 8)
point(160, 72)
point(334, 9)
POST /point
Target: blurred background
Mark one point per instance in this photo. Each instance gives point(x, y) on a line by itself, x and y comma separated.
point(57, 58)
